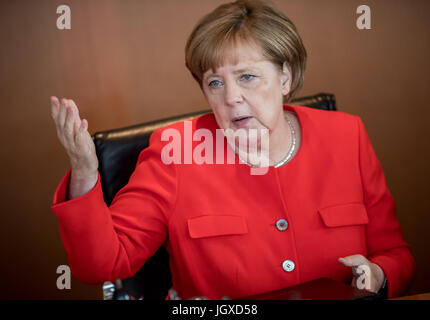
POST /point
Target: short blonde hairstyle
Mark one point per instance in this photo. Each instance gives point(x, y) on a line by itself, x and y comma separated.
point(251, 21)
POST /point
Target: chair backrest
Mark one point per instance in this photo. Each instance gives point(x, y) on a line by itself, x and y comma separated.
point(118, 150)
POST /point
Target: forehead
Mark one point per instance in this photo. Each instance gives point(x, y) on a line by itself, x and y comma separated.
point(239, 56)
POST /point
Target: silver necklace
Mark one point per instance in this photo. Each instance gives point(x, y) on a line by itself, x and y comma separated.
point(292, 147)
point(289, 154)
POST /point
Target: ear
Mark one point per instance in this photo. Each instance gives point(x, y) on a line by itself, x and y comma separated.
point(285, 79)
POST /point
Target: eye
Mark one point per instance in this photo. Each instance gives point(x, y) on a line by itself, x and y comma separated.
point(215, 83)
point(247, 77)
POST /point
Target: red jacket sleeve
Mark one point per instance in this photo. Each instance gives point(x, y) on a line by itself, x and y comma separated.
point(386, 246)
point(106, 243)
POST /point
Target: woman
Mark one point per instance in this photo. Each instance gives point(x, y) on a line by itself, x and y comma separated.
point(322, 208)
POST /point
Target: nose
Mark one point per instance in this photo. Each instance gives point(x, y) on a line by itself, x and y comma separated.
point(233, 94)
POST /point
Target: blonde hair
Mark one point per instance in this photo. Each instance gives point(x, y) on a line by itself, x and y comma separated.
point(252, 21)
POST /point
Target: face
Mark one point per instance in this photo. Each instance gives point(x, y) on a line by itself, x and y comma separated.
point(247, 94)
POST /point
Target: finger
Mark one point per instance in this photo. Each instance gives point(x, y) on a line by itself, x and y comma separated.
point(76, 114)
point(82, 132)
point(62, 114)
point(353, 261)
point(68, 128)
point(84, 125)
point(76, 119)
point(55, 107)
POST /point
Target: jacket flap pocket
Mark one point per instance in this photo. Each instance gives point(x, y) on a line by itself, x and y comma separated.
point(344, 215)
point(216, 225)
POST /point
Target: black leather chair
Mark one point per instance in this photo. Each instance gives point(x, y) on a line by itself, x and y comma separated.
point(117, 151)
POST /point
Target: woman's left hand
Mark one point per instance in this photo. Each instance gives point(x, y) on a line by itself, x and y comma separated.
point(367, 275)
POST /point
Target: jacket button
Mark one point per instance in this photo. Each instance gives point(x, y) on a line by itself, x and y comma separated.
point(282, 224)
point(288, 265)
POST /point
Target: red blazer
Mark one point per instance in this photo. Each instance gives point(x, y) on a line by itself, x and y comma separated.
point(219, 222)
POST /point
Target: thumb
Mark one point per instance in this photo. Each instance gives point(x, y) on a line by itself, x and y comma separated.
point(353, 261)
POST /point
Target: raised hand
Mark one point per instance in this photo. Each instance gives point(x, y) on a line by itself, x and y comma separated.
point(75, 138)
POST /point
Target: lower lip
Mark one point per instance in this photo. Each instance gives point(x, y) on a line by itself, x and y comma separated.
point(242, 123)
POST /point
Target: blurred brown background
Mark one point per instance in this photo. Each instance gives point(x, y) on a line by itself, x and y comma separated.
point(123, 63)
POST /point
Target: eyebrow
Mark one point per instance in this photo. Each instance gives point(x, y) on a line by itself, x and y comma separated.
point(244, 70)
point(234, 72)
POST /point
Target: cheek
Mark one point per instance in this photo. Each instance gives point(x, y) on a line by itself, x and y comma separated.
point(267, 105)
point(214, 99)
point(216, 104)
point(213, 102)
point(266, 91)
point(221, 113)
